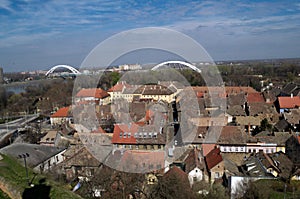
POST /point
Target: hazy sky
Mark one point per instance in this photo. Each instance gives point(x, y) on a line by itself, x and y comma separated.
point(41, 34)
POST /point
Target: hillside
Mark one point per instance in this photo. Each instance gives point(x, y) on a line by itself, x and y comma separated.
point(14, 183)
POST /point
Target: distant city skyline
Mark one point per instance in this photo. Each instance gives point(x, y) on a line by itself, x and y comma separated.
point(36, 35)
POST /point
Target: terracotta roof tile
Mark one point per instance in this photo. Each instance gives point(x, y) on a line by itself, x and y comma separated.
point(206, 148)
point(124, 134)
point(92, 92)
point(62, 112)
point(175, 171)
point(213, 158)
point(119, 87)
point(255, 97)
point(289, 102)
point(142, 161)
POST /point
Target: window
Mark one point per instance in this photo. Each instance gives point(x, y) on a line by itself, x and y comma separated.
point(145, 135)
point(236, 149)
point(135, 135)
point(129, 135)
point(217, 175)
point(125, 135)
point(120, 135)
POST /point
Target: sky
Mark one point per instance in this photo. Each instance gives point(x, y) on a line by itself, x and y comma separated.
point(40, 34)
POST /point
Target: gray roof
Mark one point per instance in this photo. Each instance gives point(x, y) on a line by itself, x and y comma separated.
point(37, 153)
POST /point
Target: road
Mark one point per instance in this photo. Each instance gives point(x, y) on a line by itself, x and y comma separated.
point(7, 129)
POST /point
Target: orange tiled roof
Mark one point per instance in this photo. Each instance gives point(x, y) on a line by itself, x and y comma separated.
point(213, 158)
point(206, 148)
point(62, 112)
point(119, 87)
point(289, 102)
point(92, 92)
point(120, 138)
point(255, 97)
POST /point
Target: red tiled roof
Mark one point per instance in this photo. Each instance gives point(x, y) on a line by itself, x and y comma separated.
point(228, 90)
point(206, 148)
point(213, 158)
point(119, 87)
point(176, 171)
point(62, 112)
point(255, 97)
point(149, 115)
point(92, 92)
point(139, 161)
point(289, 102)
point(120, 138)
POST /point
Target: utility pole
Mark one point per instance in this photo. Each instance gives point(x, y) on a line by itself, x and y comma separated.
point(24, 156)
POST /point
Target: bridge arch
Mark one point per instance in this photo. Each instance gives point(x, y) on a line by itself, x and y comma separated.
point(73, 70)
point(177, 62)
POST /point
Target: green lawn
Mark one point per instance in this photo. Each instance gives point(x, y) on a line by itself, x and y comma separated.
point(274, 189)
point(14, 175)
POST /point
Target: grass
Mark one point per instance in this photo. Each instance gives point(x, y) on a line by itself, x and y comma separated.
point(14, 174)
point(3, 195)
point(277, 189)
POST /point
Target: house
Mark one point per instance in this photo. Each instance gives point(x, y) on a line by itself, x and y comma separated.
point(287, 103)
point(95, 96)
point(135, 161)
point(52, 138)
point(232, 140)
point(135, 137)
point(290, 89)
point(271, 165)
point(214, 164)
point(61, 116)
point(293, 118)
point(154, 92)
point(180, 176)
point(222, 91)
point(249, 123)
point(40, 158)
point(174, 86)
point(195, 167)
point(282, 126)
point(79, 163)
point(236, 104)
point(116, 91)
point(253, 167)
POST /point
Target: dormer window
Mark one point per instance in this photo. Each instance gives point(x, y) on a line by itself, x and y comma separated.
point(121, 135)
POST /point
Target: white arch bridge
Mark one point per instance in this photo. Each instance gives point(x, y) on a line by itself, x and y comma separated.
point(70, 68)
point(177, 62)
